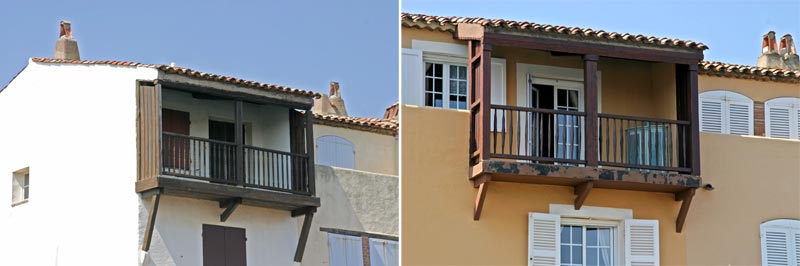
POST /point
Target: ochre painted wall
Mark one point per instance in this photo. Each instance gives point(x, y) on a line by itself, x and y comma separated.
point(437, 201)
point(757, 90)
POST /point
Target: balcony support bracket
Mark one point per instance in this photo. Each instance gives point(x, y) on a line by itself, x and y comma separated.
point(582, 191)
point(482, 183)
point(686, 199)
point(301, 243)
point(230, 206)
point(151, 220)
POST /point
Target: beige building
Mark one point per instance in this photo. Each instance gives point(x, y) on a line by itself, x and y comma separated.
point(537, 144)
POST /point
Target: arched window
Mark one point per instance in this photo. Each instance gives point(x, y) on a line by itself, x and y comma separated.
point(780, 242)
point(726, 112)
point(335, 151)
point(783, 117)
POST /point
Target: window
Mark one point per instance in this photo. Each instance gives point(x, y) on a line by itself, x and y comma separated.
point(726, 112)
point(578, 242)
point(345, 250)
point(383, 252)
point(780, 242)
point(224, 245)
point(783, 118)
point(649, 145)
point(20, 186)
point(446, 85)
point(335, 151)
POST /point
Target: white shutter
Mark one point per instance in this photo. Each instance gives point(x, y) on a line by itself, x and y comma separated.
point(345, 250)
point(641, 243)
point(780, 242)
point(740, 118)
point(797, 125)
point(498, 88)
point(711, 115)
point(778, 122)
point(412, 77)
point(543, 239)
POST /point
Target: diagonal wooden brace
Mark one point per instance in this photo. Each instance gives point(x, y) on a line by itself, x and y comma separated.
point(482, 183)
point(151, 221)
point(301, 243)
point(582, 190)
point(686, 198)
point(230, 206)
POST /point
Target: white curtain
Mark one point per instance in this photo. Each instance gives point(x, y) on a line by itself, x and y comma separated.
point(603, 237)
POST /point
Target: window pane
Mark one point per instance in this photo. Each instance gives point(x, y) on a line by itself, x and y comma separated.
point(565, 257)
point(562, 98)
point(437, 70)
point(454, 72)
point(591, 236)
point(577, 254)
point(428, 99)
point(462, 102)
point(26, 180)
point(437, 85)
point(604, 238)
point(565, 234)
point(462, 73)
point(428, 69)
point(437, 100)
point(573, 99)
point(453, 87)
point(462, 87)
point(591, 256)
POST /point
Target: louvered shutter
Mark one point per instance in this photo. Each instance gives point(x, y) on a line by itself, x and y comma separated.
point(780, 243)
point(778, 122)
point(498, 89)
point(711, 115)
point(641, 243)
point(543, 239)
point(740, 118)
point(344, 250)
point(411, 77)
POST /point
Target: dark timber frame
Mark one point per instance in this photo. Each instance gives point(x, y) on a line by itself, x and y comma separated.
point(582, 174)
point(152, 179)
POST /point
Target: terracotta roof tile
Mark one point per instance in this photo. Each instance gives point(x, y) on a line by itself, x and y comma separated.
point(748, 72)
point(377, 125)
point(182, 71)
point(448, 24)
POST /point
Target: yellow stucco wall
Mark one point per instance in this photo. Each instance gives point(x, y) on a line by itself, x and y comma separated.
point(437, 201)
point(376, 153)
point(757, 90)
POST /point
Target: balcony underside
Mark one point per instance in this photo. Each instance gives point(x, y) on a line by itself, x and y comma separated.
point(570, 175)
point(205, 190)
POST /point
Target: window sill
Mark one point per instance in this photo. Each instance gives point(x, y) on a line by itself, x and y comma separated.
point(15, 204)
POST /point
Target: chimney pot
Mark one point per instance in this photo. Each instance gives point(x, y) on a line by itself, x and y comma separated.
point(66, 46)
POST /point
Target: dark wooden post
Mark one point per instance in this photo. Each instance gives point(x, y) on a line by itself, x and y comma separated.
point(590, 105)
point(239, 138)
point(688, 110)
point(485, 96)
point(310, 151)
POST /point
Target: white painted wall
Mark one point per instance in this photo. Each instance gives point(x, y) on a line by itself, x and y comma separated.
point(376, 153)
point(177, 240)
point(75, 126)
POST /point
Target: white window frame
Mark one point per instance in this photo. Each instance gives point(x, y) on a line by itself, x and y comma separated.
point(20, 191)
point(789, 226)
point(617, 233)
point(791, 103)
point(446, 62)
point(725, 98)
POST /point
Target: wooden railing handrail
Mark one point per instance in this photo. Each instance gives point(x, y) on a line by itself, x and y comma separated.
point(276, 151)
point(198, 138)
point(644, 119)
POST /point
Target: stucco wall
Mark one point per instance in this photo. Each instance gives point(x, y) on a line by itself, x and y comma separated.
point(757, 90)
point(74, 126)
point(351, 200)
point(177, 240)
point(438, 201)
point(756, 180)
point(376, 153)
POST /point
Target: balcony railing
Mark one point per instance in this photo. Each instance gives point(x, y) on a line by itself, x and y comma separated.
point(216, 161)
point(559, 136)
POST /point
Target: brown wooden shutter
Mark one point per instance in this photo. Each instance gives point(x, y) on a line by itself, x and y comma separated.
point(224, 246)
point(297, 140)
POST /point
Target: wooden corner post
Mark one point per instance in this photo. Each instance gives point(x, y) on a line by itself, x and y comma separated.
point(239, 132)
point(310, 152)
point(590, 105)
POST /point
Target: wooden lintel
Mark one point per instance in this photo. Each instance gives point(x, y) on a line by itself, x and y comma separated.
point(230, 206)
point(301, 243)
point(686, 198)
point(481, 198)
point(151, 221)
point(582, 191)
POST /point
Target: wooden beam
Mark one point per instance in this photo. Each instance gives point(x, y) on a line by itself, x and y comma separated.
point(485, 94)
point(588, 47)
point(482, 178)
point(301, 243)
point(303, 211)
point(582, 191)
point(480, 200)
point(151, 221)
point(239, 139)
point(694, 112)
point(230, 206)
point(590, 106)
point(686, 198)
point(312, 187)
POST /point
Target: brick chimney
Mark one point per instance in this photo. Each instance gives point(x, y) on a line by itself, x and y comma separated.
point(789, 53)
point(336, 99)
point(769, 57)
point(66, 46)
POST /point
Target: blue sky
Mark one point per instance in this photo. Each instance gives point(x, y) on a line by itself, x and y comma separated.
point(302, 44)
point(732, 29)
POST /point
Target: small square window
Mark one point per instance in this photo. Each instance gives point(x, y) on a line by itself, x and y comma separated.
point(20, 186)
